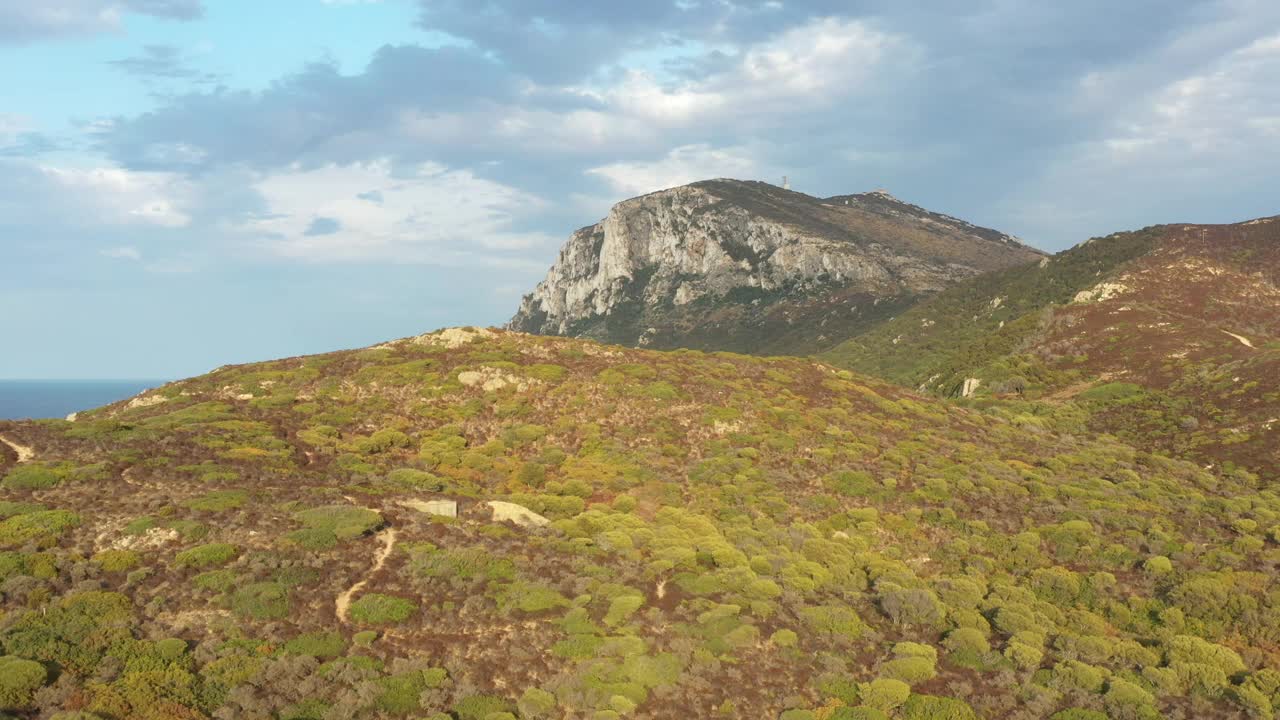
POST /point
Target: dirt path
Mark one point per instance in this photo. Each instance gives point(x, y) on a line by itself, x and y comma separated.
point(24, 453)
point(1243, 340)
point(343, 603)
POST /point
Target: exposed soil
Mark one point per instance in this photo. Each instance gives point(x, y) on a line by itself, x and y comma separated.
point(343, 603)
point(25, 453)
point(1243, 340)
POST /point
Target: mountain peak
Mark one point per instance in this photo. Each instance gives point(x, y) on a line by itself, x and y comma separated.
point(748, 266)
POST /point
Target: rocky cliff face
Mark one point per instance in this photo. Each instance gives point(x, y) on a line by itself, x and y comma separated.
point(751, 267)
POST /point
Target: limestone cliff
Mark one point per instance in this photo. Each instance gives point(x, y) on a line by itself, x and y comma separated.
point(747, 266)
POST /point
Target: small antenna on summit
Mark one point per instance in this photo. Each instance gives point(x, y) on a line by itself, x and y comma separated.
point(786, 184)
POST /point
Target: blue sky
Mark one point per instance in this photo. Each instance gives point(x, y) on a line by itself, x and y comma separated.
point(188, 183)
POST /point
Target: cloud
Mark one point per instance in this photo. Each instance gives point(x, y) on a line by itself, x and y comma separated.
point(52, 196)
point(124, 252)
point(120, 196)
point(162, 62)
point(24, 22)
point(428, 214)
point(680, 166)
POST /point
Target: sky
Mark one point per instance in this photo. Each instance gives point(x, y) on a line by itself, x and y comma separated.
point(191, 183)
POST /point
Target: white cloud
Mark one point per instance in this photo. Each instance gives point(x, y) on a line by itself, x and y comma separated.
point(680, 166)
point(805, 67)
point(800, 70)
point(124, 252)
point(365, 211)
point(115, 196)
point(27, 20)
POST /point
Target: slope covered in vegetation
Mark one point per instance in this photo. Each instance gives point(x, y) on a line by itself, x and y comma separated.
point(1168, 337)
point(685, 535)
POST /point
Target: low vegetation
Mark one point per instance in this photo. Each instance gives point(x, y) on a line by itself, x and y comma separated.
point(727, 536)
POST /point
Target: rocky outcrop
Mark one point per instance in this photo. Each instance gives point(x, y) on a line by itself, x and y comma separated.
point(751, 267)
point(516, 514)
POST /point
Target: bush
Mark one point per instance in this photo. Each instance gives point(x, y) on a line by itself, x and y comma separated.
point(884, 694)
point(1158, 565)
point(860, 712)
point(262, 601)
point(1025, 657)
point(928, 707)
point(910, 670)
point(1127, 701)
point(31, 477)
point(19, 680)
point(377, 609)
point(206, 556)
point(784, 638)
point(344, 521)
point(1075, 675)
point(317, 644)
point(42, 527)
point(622, 608)
point(480, 707)
point(967, 640)
point(536, 703)
point(1188, 649)
point(1079, 714)
point(401, 693)
point(117, 560)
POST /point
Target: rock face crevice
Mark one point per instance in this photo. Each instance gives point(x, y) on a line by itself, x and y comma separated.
point(745, 266)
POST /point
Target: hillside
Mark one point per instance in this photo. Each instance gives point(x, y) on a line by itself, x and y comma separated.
point(676, 534)
point(1169, 337)
point(750, 267)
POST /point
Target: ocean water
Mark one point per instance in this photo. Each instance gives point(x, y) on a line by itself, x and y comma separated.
point(21, 399)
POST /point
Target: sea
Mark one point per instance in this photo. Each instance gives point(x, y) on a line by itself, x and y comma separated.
point(36, 399)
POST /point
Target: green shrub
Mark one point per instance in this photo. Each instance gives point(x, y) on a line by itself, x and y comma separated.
point(928, 707)
point(42, 527)
point(910, 670)
point(215, 580)
point(622, 608)
point(967, 640)
point(19, 680)
point(317, 644)
point(913, 649)
point(377, 609)
point(1188, 649)
point(1079, 714)
point(884, 694)
point(480, 707)
point(206, 556)
point(72, 632)
point(1158, 565)
point(344, 521)
point(536, 704)
point(532, 598)
point(861, 712)
point(117, 560)
point(261, 601)
point(784, 638)
point(1025, 657)
point(1073, 674)
point(400, 693)
point(1126, 701)
point(31, 477)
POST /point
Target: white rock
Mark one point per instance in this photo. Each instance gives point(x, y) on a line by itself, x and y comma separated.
point(443, 508)
point(518, 514)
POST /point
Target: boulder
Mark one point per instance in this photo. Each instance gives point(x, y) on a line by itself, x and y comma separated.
point(517, 514)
